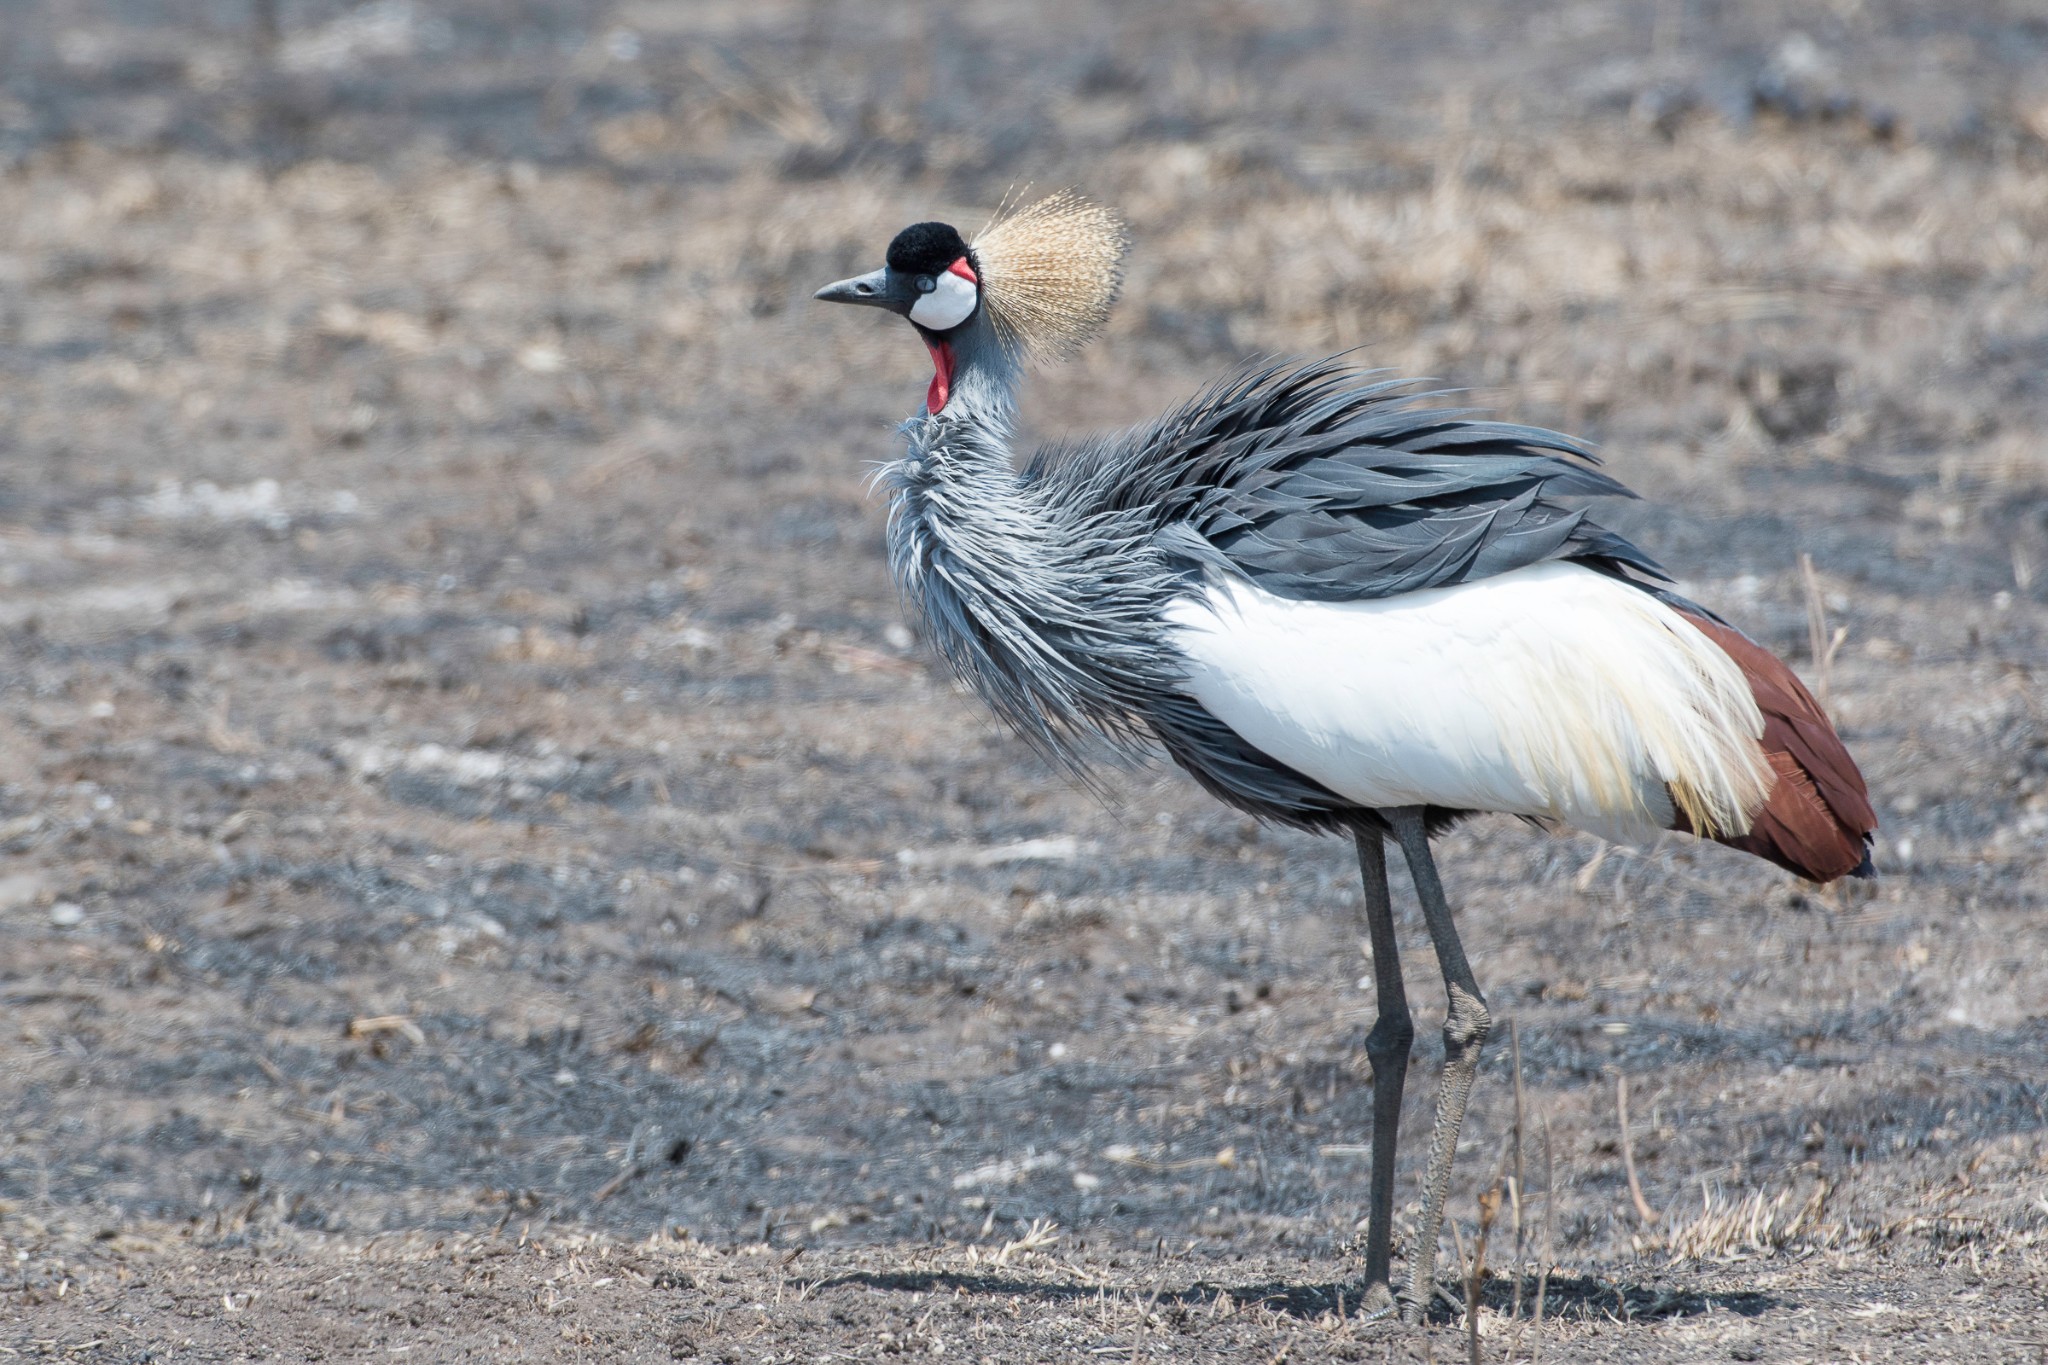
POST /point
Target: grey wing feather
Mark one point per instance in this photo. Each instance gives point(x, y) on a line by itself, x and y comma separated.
point(1320, 482)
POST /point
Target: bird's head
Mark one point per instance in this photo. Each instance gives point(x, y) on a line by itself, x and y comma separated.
point(1037, 281)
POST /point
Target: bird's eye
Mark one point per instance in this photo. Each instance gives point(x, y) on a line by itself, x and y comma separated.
point(925, 284)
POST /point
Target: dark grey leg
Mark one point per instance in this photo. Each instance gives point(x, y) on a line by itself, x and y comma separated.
point(1393, 1033)
point(1465, 1029)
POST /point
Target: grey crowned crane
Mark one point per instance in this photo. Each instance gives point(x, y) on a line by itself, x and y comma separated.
point(1337, 610)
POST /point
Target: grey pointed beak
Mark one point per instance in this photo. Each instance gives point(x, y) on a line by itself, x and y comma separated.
point(877, 289)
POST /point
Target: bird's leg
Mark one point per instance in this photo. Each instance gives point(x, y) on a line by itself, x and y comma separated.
point(1393, 1033)
point(1465, 1029)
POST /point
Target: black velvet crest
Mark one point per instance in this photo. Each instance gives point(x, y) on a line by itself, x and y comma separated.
point(925, 249)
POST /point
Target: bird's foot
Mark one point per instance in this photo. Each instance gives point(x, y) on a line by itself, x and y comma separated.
point(1378, 1304)
point(1416, 1303)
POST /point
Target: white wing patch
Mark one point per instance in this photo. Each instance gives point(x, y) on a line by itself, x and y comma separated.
point(1553, 691)
point(949, 304)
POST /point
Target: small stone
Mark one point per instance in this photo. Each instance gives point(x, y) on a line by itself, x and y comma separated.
point(67, 914)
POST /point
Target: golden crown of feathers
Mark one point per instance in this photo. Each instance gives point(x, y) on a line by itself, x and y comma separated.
point(1050, 271)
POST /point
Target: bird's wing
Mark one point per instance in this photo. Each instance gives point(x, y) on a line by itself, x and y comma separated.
point(1320, 483)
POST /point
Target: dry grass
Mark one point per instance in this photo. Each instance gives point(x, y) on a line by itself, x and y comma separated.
point(1759, 1225)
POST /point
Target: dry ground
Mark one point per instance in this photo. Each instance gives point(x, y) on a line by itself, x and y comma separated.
point(483, 873)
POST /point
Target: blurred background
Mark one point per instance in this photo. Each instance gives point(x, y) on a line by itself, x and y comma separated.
point(465, 788)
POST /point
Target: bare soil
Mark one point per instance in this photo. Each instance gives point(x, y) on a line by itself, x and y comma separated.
point(485, 875)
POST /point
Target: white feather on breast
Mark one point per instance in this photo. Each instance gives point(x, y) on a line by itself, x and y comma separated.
point(1552, 691)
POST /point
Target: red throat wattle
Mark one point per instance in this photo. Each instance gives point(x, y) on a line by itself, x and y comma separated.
point(942, 374)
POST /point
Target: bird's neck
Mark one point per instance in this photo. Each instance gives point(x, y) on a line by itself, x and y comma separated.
point(959, 511)
point(975, 392)
point(1050, 613)
point(957, 490)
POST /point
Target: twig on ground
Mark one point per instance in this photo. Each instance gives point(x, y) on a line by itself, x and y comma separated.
point(1628, 1155)
point(646, 1143)
point(1549, 1242)
point(618, 1182)
point(387, 1023)
point(1515, 1189)
point(1464, 1264)
point(1489, 1208)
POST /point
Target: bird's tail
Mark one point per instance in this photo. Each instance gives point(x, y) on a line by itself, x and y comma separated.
point(1817, 821)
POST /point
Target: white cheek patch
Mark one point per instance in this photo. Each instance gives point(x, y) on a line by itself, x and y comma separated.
point(947, 306)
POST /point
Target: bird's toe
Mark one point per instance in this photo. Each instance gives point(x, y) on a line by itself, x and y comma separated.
point(1378, 1304)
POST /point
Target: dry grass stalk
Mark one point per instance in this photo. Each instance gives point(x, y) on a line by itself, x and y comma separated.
point(1549, 1237)
point(1041, 1234)
point(1628, 1155)
point(1584, 880)
point(1515, 1189)
point(1756, 1226)
point(1464, 1265)
point(1489, 1208)
point(1822, 645)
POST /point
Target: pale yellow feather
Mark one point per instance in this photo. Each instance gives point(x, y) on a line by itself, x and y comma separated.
point(1050, 272)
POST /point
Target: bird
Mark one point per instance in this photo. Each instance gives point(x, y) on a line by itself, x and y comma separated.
point(1341, 606)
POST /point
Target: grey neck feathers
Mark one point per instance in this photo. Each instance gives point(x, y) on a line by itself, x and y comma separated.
point(1051, 614)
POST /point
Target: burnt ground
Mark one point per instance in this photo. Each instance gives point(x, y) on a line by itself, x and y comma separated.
point(484, 874)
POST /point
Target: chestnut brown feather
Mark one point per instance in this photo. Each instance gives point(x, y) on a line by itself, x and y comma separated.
point(1817, 820)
